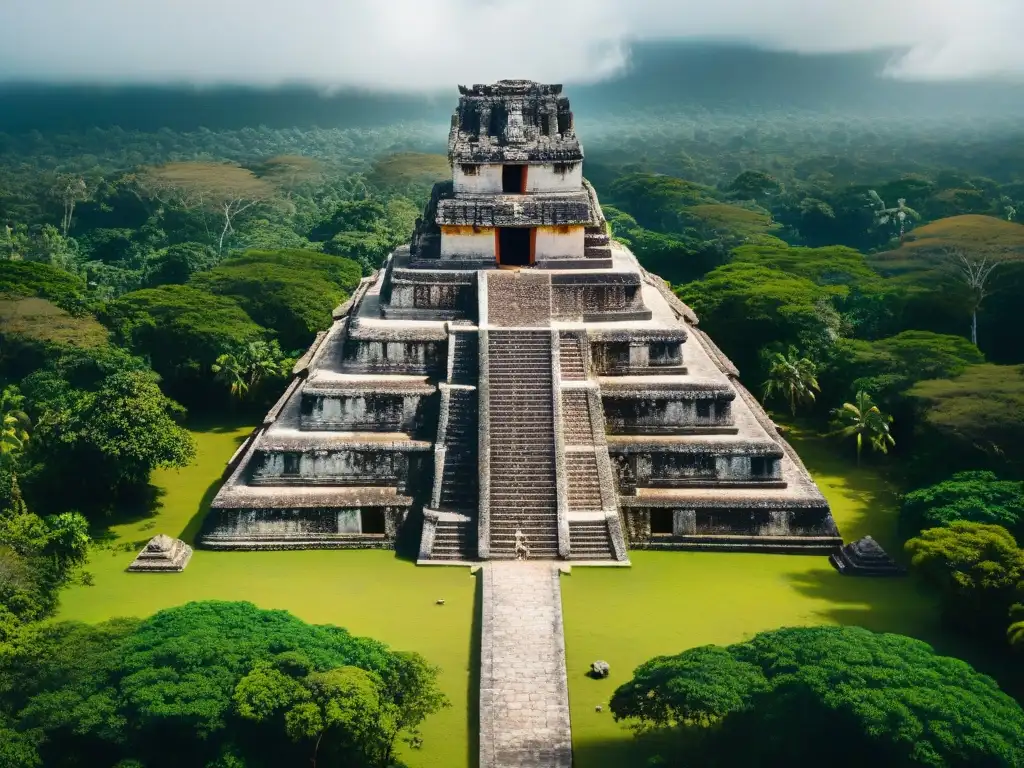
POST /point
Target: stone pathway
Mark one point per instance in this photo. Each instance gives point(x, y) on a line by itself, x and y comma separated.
point(524, 695)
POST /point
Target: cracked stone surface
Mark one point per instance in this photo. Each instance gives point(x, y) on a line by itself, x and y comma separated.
point(524, 697)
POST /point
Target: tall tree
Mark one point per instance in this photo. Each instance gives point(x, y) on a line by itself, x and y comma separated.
point(70, 189)
point(896, 217)
point(974, 271)
point(883, 695)
point(978, 569)
point(226, 189)
point(791, 377)
point(862, 419)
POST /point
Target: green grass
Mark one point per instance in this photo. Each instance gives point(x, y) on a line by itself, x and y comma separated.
point(670, 601)
point(667, 602)
point(370, 593)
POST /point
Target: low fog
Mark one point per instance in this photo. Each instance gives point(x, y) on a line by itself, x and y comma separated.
point(417, 45)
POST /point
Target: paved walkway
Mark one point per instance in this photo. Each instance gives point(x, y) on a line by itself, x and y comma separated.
point(524, 696)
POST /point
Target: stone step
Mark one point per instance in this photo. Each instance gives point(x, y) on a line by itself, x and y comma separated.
point(538, 502)
point(529, 414)
point(531, 540)
point(543, 490)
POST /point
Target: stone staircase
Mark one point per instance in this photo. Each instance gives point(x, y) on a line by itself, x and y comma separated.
point(454, 540)
point(589, 540)
point(523, 487)
point(584, 482)
point(464, 357)
point(592, 514)
point(459, 479)
point(576, 417)
point(596, 243)
point(571, 358)
point(450, 524)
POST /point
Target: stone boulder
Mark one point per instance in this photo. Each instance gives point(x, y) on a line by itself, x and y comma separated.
point(600, 669)
point(865, 558)
point(162, 555)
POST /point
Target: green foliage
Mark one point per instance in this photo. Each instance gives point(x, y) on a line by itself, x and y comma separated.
point(291, 292)
point(978, 570)
point(364, 231)
point(975, 497)
point(746, 307)
point(658, 201)
point(791, 378)
point(181, 330)
point(926, 248)
point(836, 266)
point(888, 367)
point(732, 220)
point(247, 367)
point(175, 264)
point(38, 556)
point(978, 414)
point(619, 221)
point(412, 172)
point(863, 419)
point(787, 696)
point(755, 185)
point(266, 235)
point(93, 442)
point(224, 682)
point(14, 424)
point(19, 278)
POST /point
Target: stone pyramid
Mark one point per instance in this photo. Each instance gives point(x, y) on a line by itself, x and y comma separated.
point(865, 558)
point(162, 554)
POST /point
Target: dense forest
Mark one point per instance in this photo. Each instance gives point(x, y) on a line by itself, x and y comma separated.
point(861, 269)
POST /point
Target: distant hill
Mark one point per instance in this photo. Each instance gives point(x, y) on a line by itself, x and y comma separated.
point(662, 76)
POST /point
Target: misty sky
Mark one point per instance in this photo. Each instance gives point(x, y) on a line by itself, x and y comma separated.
point(420, 44)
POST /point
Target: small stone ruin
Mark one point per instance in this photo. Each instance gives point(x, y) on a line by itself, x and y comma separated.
point(865, 558)
point(162, 555)
point(600, 670)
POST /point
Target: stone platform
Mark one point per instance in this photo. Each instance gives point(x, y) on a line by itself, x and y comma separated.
point(865, 558)
point(162, 555)
point(524, 696)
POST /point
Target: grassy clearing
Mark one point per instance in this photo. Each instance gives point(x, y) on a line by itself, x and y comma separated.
point(370, 593)
point(665, 603)
point(670, 601)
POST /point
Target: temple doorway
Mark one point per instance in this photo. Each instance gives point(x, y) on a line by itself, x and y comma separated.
point(514, 247)
point(513, 179)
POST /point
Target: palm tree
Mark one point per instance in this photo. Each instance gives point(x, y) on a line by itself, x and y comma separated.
point(230, 370)
point(14, 427)
point(250, 364)
point(14, 424)
point(1015, 634)
point(792, 377)
point(863, 419)
point(898, 215)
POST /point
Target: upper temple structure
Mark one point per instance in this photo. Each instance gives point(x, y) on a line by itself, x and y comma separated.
point(513, 384)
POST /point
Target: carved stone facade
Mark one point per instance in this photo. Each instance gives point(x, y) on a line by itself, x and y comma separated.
point(514, 384)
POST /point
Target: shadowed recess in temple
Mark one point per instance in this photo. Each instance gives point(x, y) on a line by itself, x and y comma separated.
point(513, 384)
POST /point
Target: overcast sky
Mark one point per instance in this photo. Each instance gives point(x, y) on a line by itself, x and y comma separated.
point(421, 44)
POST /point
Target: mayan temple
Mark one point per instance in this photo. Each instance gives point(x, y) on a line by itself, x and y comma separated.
point(513, 385)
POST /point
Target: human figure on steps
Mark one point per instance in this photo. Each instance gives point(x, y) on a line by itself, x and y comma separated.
point(522, 548)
